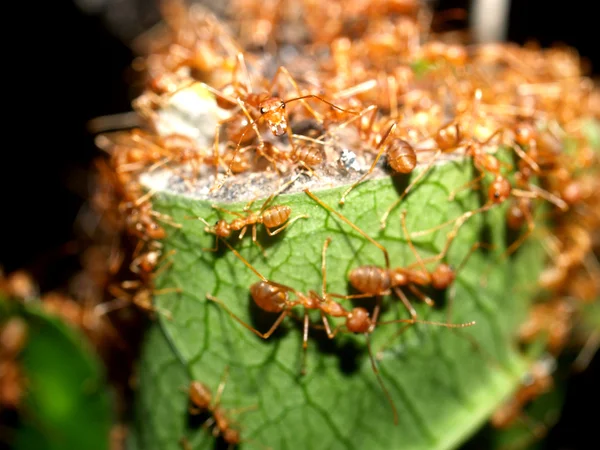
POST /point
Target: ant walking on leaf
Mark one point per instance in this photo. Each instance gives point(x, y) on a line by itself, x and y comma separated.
point(201, 399)
point(275, 219)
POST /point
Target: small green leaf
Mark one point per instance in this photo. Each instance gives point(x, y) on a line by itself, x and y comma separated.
point(444, 383)
point(67, 404)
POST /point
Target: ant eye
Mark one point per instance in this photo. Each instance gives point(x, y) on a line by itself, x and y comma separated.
point(282, 105)
point(263, 110)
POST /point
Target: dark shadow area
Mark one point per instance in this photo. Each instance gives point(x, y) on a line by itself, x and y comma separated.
point(263, 321)
point(348, 351)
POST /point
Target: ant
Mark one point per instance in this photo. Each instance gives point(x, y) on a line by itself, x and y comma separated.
point(19, 284)
point(272, 109)
point(376, 281)
point(273, 217)
point(447, 138)
point(201, 399)
point(552, 318)
point(143, 294)
point(13, 338)
point(535, 383)
point(274, 297)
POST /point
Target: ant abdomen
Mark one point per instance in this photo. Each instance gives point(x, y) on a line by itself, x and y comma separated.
point(401, 156)
point(276, 216)
point(308, 154)
point(268, 297)
point(370, 279)
point(358, 321)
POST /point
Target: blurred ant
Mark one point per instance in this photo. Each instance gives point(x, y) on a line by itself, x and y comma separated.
point(201, 399)
point(272, 109)
point(13, 338)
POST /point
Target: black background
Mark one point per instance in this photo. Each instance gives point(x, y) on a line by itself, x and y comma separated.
point(77, 72)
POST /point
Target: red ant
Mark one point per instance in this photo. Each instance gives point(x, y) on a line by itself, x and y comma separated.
point(271, 108)
point(273, 217)
point(202, 400)
point(274, 297)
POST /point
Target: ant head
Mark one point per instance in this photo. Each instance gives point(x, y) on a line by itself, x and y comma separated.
point(273, 110)
point(358, 321)
point(221, 228)
point(155, 231)
point(499, 190)
point(231, 436)
point(443, 276)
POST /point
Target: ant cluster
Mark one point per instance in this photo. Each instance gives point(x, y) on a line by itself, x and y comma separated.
point(312, 95)
point(305, 96)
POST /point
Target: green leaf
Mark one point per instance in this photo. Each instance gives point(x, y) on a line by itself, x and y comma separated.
point(591, 129)
point(67, 404)
point(444, 383)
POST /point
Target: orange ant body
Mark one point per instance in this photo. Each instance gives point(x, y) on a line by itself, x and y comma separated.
point(537, 382)
point(19, 284)
point(273, 297)
point(277, 216)
point(376, 281)
point(13, 338)
point(447, 138)
point(271, 109)
point(201, 399)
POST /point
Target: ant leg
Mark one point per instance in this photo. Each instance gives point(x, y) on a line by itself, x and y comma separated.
point(283, 187)
point(380, 379)
point(243, 232)
point(266, 335)
point(255, 240)
point(165, 266)
point(221, 387)
point(381, 149)
point(306, 324)
point(472, 183)
point(324, 268)
point(240, 64)
point(406, 302)
point(166, 219)
point(410, 242)
point(422, 296)
point(355, 227)
point(459, 220)
point(408, 188)
point(281, 70)
point(586, 354)
point(538, 192)
point(251, 267)
point(284, 226)
point(251, 125)
point(316, 97)
point(410, 323)
point(168, 291)
point(228, 211)
point(111, 305)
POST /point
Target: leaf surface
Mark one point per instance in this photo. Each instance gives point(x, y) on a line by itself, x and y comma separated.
point(444, 383)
